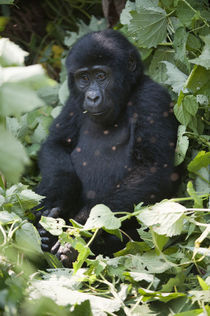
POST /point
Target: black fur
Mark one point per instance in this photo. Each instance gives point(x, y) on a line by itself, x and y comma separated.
point(120, 160)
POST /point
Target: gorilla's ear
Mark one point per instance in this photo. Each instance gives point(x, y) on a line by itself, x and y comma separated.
point(132, 62)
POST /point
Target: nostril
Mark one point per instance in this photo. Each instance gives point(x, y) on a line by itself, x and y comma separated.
point(93, 97)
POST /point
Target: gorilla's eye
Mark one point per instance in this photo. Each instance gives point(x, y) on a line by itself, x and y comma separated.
point(84, 77)
point(101, 76)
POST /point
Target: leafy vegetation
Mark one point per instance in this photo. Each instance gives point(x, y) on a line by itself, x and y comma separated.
point(167, 272)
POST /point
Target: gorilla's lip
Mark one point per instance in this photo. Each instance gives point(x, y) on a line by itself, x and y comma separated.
point(98, 113)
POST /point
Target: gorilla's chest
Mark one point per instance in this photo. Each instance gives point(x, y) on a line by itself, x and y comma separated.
point(102, 158)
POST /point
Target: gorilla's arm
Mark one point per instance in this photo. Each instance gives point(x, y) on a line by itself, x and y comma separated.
point(60, 184)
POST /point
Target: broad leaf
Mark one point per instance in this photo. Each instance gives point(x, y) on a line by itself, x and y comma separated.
point(165, 218)
point(13, 157)
point(28, 238)
point(8, 218)
point(101, 216)
point(29, 199)
point(148, 25)
point(204, 58)
point(201, 160)
point(176, 78)
point(53, 225)
point(16, 99)
point(10, 53)
point(181, 146)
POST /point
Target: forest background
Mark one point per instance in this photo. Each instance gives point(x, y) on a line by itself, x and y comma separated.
point(167, 273)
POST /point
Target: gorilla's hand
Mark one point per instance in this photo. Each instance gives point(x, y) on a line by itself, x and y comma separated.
point(66, 254)
point(48, 240)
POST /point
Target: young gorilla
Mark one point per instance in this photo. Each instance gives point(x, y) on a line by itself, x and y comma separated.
point(113, 142)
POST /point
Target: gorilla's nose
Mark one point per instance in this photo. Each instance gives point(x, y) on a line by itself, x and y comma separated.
point(93, 98)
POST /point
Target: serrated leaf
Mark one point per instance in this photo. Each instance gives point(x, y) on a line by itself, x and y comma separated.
point(101, 216)
point(28, 238)
point(63, 295)
point(13, 157)
point(29, 199)
point(148, 25)
point(125, 16)
point(204, 58)
point(53, 225)
point(139, 276)
point(10, 53)
point(181, 146)
point(165, 218)
point(176, 78)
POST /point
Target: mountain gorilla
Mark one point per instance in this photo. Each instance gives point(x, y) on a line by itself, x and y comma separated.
point(113, 142)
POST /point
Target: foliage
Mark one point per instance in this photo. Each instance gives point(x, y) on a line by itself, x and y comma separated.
point(167, 272)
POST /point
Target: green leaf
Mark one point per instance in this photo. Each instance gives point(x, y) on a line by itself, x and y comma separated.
point(157, 69)
point(163, 297)
point(63, 92)
point(181, 146)
point(10, 53)
point(41, 130)
point(28, 238)
point(126, 16)
point(198, 79)
point(159, 242)
point(180, 40)
point(13, 157)
point(33, 76)
point(101, 216)
point(198, 202)
point(8, 218)
point(165, 218)
point(133, 247)
point(84, 252)
point(184, 14)
point(29, 199)
point(154, 263)
point(82, 309)
point(181, 114)
point(176, 78)
point(187, 110)
point(59, 289)
point(139, 276)
point(53, 225)
point(204, 58)
point(16, 99)
point(192, 312)
point(201, 160)
point(56, 111)
point(190, 104)
point(148, 24)
point(203, 284)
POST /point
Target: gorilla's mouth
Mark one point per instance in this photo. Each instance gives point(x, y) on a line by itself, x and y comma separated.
point(98, 113)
